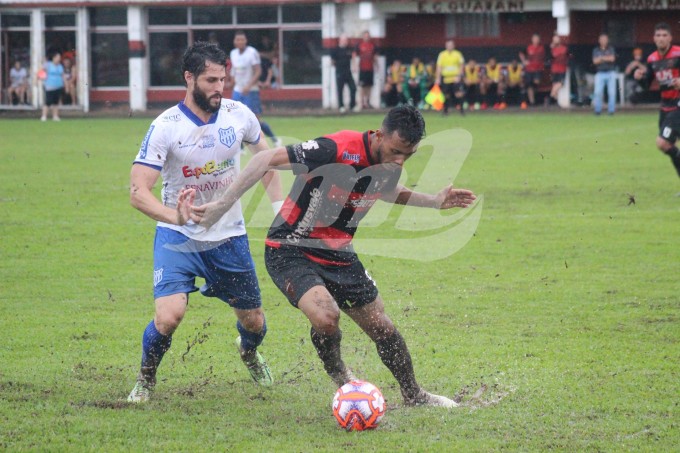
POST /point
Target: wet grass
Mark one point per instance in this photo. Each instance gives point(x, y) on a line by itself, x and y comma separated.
point(563, 305)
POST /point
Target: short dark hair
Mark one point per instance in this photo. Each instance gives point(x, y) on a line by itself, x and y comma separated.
point(52, 52)
point(196, 56)
point(407, 121)
point(240, 32)
point(662, 26)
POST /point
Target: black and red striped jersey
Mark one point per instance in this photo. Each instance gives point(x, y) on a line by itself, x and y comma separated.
point(337, 183)
point(665, 68)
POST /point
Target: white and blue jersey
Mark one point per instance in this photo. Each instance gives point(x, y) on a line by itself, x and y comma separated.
point(203, 156)
point(191, 154)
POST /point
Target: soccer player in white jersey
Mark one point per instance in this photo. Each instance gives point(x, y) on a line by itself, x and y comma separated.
point(195, 147)
point(246, 68)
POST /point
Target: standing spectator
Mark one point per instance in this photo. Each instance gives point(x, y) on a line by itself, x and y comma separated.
point(54, 84)
point(558, 67)
point(449, 76)
point(341, 58)
point(246, 68)
point(270, 74)
point(268, 48)
point(664, 65)
point(534, 64)
point(514, 85)
point(633, 88)
point(604, 59)
point(472, 80)
point(70, 78)
point(368, 59)
point(18, 84)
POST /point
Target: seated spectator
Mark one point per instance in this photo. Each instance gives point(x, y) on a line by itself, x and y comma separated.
point(633, 88)
point(515, 93)
point(18, 86)
point(417, 83)
point(71, 78)
point(393, 92)
point(472, 79)
point(491, 86)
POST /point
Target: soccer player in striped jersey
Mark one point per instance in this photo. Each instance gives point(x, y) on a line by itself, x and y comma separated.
point(309, 252)
point(664, 65)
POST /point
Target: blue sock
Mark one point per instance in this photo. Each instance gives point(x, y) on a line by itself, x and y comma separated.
point(154, 346)
point(267, 130)
point(251, 340)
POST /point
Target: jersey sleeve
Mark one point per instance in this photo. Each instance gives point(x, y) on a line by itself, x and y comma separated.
point(310, 155)
point(252, 135)
point(153, 150)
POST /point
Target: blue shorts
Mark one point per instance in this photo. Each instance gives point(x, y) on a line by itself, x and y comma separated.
point(251, 100)
point(227, 268)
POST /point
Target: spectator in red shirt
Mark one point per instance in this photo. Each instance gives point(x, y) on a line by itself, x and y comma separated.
point(534, 63)
point(558, 66)
point(368, 58)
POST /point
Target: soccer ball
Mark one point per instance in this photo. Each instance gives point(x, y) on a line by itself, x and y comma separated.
point(358, 405)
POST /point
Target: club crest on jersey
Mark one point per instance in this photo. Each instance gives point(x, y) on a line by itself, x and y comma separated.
point(227, 136)
point(351, 157)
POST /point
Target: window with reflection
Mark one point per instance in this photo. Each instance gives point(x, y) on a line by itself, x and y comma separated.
point(218, 15)
point(168, 16)
point(109, 52)
point(60, 20)
point(302, 53)
point(301, 13)
point(107, 17)
point(257, 14)
point(15, 20)
point(165, 57)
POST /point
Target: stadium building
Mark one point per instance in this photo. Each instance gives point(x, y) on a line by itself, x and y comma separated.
point(128, 51)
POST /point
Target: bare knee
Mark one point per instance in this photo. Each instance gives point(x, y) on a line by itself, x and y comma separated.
point(327, 323)
point(663, 145)
point(170, 312)
point(321, 310)
point(251, 320)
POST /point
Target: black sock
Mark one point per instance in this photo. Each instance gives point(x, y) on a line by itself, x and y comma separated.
point(328, 349)
point(394, 354)
point(674, 154)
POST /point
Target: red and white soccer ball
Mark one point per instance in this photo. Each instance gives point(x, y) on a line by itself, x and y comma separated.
point(358, 405)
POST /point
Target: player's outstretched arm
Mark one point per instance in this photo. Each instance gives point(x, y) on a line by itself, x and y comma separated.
point(447, 198)
point(271, 180)
point(209, 213)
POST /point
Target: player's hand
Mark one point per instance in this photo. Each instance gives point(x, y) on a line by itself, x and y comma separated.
point(450, 197)
point(184, 201)
point(208, 214)
point(676, 83)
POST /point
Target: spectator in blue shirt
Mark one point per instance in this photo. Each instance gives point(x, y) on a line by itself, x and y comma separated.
point(53, 84)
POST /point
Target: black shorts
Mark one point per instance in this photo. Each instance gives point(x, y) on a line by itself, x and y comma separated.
point(558, 77)
point(52, 97)
point(295, 274)
point(669, 125)
point(533, 78)
point(366, 78)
